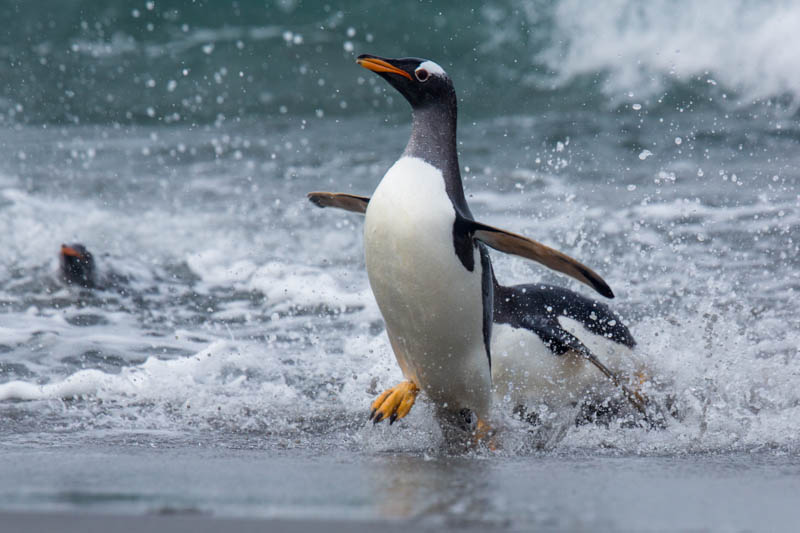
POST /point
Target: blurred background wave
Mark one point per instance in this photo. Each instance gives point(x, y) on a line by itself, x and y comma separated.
point(168, 61)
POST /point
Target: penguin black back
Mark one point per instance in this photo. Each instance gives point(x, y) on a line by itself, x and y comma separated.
point(519, 304)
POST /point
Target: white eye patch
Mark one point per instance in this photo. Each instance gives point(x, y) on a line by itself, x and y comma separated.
point(432, 68)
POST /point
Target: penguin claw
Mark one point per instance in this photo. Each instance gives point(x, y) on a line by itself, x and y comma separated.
point(394, 403)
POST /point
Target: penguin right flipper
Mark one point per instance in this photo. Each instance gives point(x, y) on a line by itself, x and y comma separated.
point(512, 243)
point(348, 202)
point(556, 338)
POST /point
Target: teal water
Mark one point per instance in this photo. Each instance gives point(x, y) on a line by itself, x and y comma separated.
point(201, 62)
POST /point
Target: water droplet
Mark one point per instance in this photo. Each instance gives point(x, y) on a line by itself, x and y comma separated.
point(645, 154)
point(636, 107)
point(678, 141)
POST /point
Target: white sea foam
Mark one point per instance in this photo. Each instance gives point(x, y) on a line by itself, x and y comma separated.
point(747, 47)
point(288, 284)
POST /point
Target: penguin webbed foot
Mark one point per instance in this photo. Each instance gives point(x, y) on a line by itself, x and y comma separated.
point(654, 414)
point(394, 403)
point(649, 414)
point(484, 434)
point(463, 430)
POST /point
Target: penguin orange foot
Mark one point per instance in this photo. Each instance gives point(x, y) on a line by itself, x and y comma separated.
point(484, 433)
point(394, 403)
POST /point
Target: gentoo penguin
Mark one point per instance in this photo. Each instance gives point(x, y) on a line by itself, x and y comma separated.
point(77, 266)
point(555, 348)
point(426, 261)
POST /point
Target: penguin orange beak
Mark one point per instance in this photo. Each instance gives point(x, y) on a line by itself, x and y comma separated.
point(66, 250)
point(379, 65)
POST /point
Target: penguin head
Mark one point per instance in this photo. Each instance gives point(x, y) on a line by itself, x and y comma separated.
point(421, 81)
point(77, 265)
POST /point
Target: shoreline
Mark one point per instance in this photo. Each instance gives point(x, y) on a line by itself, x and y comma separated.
point(83, 522)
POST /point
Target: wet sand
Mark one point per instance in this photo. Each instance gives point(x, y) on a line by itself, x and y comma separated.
point(85, 523)
point(129, 488)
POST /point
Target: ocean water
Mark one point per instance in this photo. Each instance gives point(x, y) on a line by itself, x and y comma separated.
point(657, 142)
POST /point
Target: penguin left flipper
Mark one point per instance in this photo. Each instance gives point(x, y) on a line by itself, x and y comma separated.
point(512, 243)
point(394, 403)
point(348, 202)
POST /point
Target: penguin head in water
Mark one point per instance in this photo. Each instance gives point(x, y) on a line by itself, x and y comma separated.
point(422, 82)
point(77, 265)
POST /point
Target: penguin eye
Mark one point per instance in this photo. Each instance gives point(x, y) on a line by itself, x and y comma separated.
point(421, 74)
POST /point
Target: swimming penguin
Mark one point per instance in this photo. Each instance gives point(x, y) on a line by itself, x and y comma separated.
point(426, 258)
point(77, 266)
point(554, 348)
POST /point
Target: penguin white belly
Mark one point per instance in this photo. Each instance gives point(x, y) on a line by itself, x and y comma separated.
point(526, 372)
point(432, 305)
